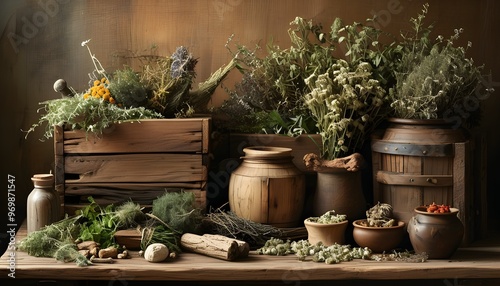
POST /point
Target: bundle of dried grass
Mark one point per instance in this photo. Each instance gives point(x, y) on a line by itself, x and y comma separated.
point(254, 233)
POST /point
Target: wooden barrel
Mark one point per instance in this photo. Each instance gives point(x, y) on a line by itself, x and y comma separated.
point(418, 162)
point(267, 187)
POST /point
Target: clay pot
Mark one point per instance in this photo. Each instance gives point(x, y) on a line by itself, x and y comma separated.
point(378, 239)
point(327, 233)
point(340, 190)
point(437, 234)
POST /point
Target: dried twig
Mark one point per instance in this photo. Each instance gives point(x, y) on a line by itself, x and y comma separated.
point(256, 234)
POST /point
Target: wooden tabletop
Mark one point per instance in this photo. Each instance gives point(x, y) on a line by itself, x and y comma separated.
point(480, 260)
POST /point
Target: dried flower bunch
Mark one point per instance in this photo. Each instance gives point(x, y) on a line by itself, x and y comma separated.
point(346, 104)
point(436, 79)
point(269, 98)
point(162, 89)
point(310, 88)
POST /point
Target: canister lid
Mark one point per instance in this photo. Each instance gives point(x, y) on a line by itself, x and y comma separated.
point(43, 180)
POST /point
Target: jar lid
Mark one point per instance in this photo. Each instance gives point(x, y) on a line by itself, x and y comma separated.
point(43, 180)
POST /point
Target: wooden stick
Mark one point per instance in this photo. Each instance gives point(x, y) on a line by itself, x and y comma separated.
point(217, 246)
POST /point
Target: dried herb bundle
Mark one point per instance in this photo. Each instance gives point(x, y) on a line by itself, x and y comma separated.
point(162, 89)
point(55, 240)
point(380, 215)
point(435, 78)
point(58, 240)
point(255, 234)
point(90, 115)
point(172, 214)
point(177, 211)
point(155, 233)
point(127, 88)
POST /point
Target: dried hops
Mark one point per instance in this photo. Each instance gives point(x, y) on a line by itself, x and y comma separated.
point(318, 252)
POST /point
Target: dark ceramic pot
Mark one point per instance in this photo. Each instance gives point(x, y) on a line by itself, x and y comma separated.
point(340, 190)
point(437, 234)
point(378, 239)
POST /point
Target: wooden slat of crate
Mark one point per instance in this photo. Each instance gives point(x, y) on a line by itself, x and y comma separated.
point(137, 161)
point(147, 136)
point(117, 193)
point(122, 191)
point(134, 168)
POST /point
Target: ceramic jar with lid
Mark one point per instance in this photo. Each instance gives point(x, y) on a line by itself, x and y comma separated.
point(43, 203)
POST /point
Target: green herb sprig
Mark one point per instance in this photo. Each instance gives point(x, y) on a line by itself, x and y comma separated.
point(92, 222)
point(99, 223)
point(91, 115)
point(435, 78)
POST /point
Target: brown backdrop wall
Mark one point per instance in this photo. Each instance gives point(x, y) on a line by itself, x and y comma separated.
point(40, 41)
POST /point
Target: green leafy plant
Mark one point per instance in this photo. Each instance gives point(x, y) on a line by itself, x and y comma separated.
point(363, 43)
point(99, 224)
point(92, 222)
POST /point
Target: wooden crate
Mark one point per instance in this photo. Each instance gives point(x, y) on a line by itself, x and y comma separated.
point(135, 161)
